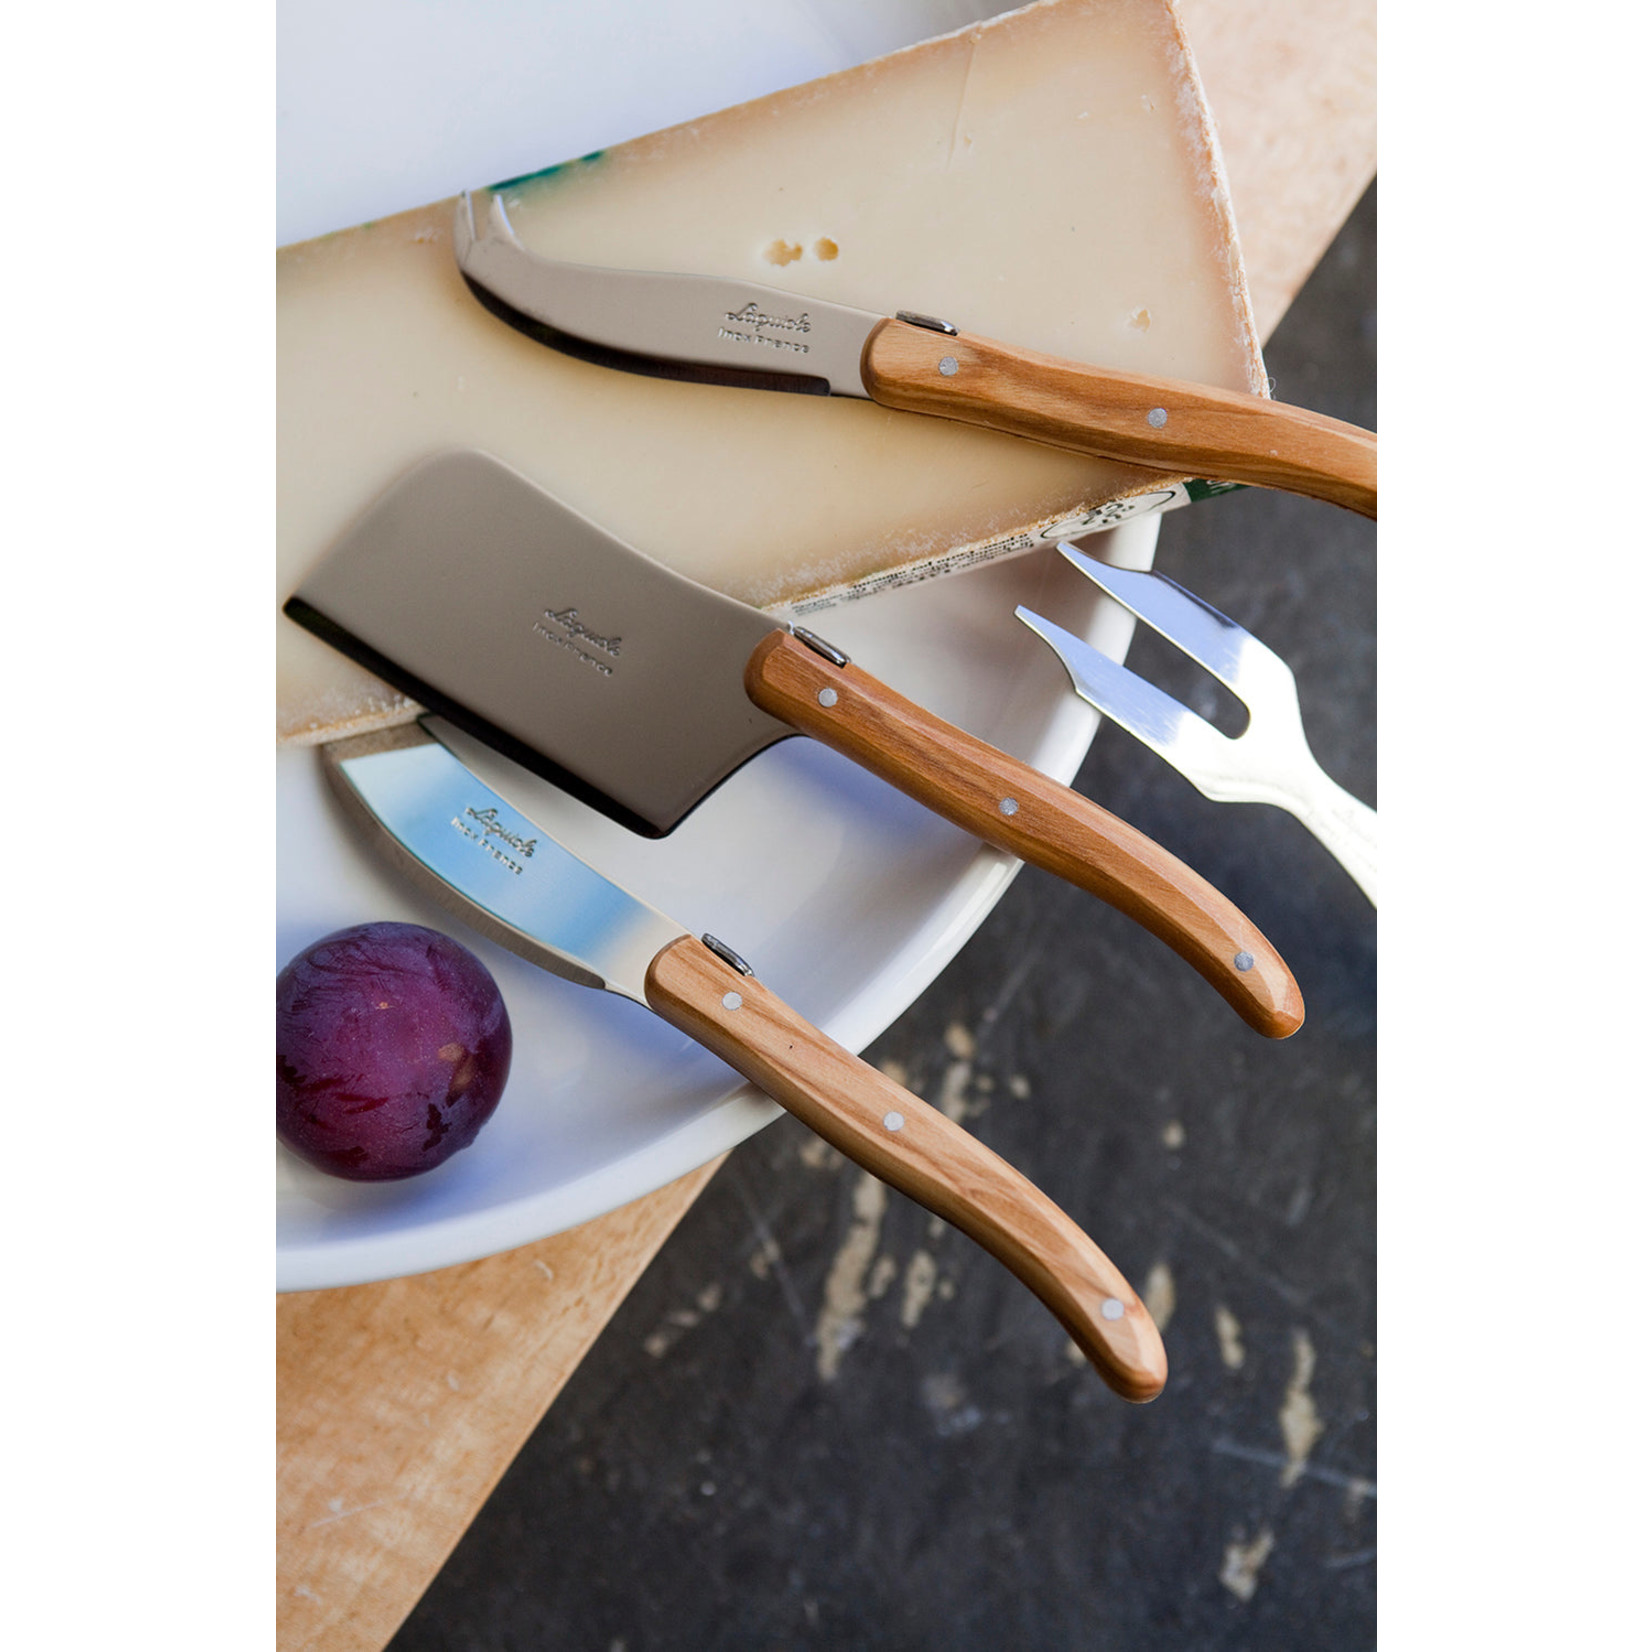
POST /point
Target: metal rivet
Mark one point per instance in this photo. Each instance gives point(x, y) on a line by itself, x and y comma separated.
point(893, 1121)
point(1158, 418)
point(1243, 961)
point(732, 1000)
point(1112, 1308)
point(1007, 805)
point(949, 366)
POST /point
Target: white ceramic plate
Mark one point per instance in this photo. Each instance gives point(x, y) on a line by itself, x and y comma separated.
point(846, 898)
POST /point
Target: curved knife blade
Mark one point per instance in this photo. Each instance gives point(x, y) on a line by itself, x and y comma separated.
point(658, 321)
point(490, 865)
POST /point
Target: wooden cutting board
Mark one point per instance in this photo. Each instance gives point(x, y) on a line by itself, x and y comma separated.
point(401, 1404)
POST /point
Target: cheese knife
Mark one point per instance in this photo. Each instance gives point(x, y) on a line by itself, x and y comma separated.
point(503, 875)
point(485, 599)
point(726, 331)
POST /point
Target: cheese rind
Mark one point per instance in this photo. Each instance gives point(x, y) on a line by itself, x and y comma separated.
point(1049, 179)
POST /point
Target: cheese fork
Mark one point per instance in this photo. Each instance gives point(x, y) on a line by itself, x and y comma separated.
point(1268, 763)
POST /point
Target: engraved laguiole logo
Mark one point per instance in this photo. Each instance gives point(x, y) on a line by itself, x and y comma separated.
point(565, 628)
point(755, 326)
point(489, 833)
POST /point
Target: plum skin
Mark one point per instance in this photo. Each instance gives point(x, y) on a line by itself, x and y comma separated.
point(392, 1047)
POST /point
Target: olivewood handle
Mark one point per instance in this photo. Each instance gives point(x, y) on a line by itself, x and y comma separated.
point(1162, 423)
point(1014, 807)
point(906, 1143)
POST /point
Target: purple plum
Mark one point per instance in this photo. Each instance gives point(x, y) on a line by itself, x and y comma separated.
point(392, 1046)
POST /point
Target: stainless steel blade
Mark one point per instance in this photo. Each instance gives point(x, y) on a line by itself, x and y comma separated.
point(492, 866)
point(1148, 712)
point(487, 600)
point(1216, 642)
point(710, 322)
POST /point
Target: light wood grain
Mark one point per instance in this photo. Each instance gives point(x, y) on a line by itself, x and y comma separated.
point(1293, 92)
point(971, 784)
point(1187, 429)
point(400, 1404)
point(905, 1142)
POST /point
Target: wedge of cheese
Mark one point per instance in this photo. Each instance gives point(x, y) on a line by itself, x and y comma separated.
point(1049, 178)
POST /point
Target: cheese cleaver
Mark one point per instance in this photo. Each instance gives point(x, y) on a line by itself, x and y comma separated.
point(639, 691)
point(724, 331)
point(505, 876)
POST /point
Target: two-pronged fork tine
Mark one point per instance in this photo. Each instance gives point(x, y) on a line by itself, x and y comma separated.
point(1269, 763)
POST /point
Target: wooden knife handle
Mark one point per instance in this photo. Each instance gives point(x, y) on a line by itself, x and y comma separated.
point(1014, 807)
point(1162, 423)
point(917, 1150)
